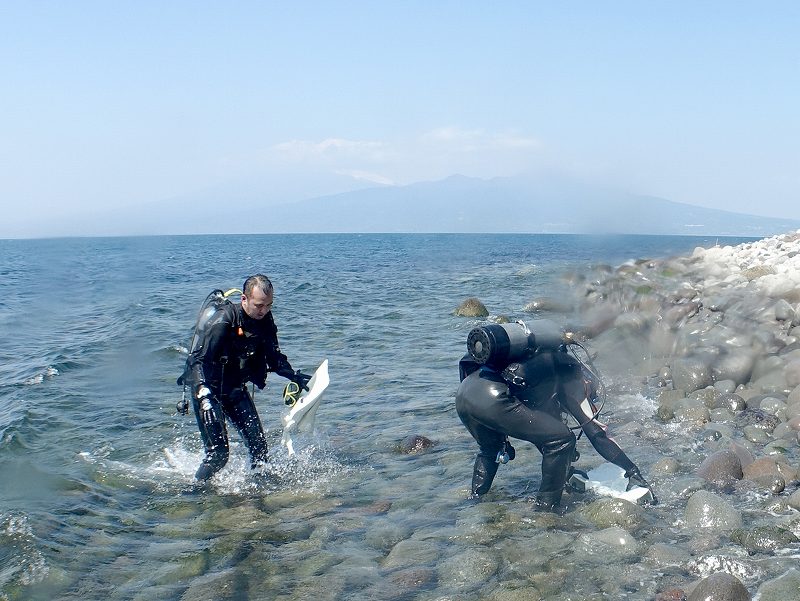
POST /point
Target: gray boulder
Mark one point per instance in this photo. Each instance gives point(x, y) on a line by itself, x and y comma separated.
point(722, 468)
point(720, 587)
point(472, 307)
point(763, 539)
point(736, 366)
point(705, 509)
point(606, 512)
point(690, 374)
point(783, 588)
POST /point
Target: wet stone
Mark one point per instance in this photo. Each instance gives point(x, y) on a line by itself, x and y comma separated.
point(783, 588)
point(667, 555)
point(755, 434)
point(673, 594)
point(472, 307)
point(770, 466)
point(607, 512)
point(610, 544)
point(732, 402)
point(468, 569)
point(413, 578)
point(692, 411)
point(708, 396)
point(721, 468)
point(665, 467)
point(708, 510)
point(720, 587)
point(411, 552)
point(763, 539)
point(415, 443)
point(725, 386)
point(690, 374)
point(758, 418)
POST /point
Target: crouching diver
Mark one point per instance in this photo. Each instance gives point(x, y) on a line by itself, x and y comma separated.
point(233, 343)
point(517, 383)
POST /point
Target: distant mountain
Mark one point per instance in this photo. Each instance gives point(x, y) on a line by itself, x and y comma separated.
point(544, 204)
point(512, 205)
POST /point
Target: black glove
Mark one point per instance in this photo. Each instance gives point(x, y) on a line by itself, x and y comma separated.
point(206, 406)
point(635, 478)
point(300, 379)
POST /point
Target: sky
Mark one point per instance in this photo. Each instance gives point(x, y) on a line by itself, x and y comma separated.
point(113, 104)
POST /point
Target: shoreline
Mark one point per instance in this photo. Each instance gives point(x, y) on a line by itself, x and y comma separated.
point(714, 338)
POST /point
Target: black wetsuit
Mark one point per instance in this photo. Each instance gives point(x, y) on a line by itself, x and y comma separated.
point(234, 349)
point(550, 383)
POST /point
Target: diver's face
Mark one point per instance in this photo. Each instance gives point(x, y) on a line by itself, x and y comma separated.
point(258, 304)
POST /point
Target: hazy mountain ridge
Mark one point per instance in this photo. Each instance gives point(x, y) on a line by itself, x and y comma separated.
point(457, 204)
point(515, 205)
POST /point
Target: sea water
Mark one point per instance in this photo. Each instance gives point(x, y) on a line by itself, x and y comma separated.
point(97, 498)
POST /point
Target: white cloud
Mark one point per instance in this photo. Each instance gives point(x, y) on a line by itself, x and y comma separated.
point(330, 148)
point(366, 176)
point(433, 154)
point(476, 140)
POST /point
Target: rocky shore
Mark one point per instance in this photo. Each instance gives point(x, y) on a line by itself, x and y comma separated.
point(714, 339)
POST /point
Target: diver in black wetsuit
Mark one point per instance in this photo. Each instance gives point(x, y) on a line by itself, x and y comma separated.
point(525, 399)
point(238, 343)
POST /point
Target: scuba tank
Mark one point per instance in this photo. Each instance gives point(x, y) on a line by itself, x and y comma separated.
point(214, 302)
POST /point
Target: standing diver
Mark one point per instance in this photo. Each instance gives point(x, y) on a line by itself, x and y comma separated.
point(234, 344)
point(517, 383)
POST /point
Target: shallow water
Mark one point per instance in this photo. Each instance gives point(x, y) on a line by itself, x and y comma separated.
point(98, 500)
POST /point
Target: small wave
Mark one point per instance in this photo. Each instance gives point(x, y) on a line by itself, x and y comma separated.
point(24, 563)
point(48, 373)
point(313, 469)
point(527, 270)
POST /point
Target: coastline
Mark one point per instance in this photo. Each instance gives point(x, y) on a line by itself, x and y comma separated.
point(714, 338)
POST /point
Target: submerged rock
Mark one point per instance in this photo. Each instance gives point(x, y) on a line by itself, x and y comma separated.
point(607, 512)
point(415, 443)
point(707, 510)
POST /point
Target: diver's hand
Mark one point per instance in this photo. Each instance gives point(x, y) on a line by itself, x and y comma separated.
point(206, 407)
point(635, 478)
point(301, 380)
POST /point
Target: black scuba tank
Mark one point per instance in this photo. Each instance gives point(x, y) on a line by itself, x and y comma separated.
point(497, 345)
point(215, 301)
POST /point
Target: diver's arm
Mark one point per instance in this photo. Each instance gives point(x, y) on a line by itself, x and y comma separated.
point(276, 361)
point(279, 363)
point(574, 398)
point(577, 403)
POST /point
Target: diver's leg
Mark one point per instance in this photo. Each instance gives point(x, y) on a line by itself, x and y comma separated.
point(556, 459)
point(544, 428)
point(490, 443)
point(483, 473)
point(243, 415)
point(215, 438)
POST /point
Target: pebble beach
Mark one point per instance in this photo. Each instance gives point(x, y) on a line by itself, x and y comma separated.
point(713, 338)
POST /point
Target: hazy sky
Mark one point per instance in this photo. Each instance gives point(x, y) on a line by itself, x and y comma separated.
point(116, 103)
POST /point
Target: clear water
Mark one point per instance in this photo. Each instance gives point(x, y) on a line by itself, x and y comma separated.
point(97, 499)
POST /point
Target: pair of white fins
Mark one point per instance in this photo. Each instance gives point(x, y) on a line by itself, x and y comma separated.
point(299, 417)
